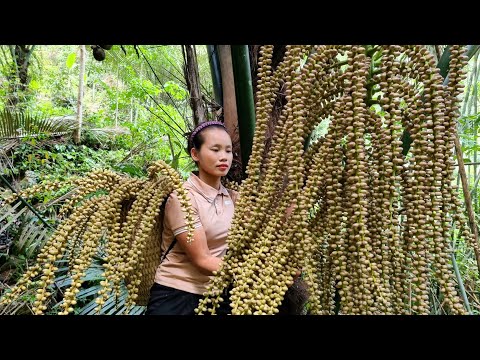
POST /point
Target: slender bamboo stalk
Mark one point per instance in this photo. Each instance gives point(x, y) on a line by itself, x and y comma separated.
point(244, 98)
point(216, 74)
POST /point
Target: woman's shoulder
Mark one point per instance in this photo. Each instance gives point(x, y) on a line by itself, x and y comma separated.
point(173, 196)
point(233, 194)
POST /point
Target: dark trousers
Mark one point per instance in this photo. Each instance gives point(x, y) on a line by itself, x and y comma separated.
point(165, 300)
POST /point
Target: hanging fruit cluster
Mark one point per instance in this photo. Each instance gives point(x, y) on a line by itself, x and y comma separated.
point(99, 51)
point(367, 221)
point(118, 215)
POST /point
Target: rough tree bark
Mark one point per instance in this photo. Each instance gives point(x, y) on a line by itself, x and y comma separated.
point(193, 83)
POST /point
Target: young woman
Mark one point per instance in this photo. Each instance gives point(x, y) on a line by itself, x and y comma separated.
point(183, 274)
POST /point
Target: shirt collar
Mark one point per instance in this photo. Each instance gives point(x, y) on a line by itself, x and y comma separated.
point(204, 188)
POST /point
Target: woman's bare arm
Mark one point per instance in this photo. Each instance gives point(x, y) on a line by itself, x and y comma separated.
point(198, 252)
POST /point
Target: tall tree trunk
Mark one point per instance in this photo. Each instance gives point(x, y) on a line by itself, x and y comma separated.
point(78, 130)
point(19, 79)
point(230, 116)
point(190, 71)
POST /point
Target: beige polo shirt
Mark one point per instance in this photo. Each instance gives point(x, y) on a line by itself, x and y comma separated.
point(213, 210)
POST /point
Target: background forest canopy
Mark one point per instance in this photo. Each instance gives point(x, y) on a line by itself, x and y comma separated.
point(135, 106)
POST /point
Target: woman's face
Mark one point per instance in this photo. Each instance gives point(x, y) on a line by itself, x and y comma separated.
point(215, 155)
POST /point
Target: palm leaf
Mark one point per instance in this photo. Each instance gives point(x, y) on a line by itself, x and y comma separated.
point(32, 237)
point(14, 125)
point(113, 306)
point(93, 273)
point(10, 213)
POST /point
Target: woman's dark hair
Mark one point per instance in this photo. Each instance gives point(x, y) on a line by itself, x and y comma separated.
point(195, 138)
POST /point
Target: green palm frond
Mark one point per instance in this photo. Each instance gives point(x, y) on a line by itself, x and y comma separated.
point(29, 235)
point(9, 215)
point(15, 125)
point(113, 306)
point(88, 295)
point(31, 239)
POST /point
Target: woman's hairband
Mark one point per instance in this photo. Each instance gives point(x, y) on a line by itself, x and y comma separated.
point(203, 126)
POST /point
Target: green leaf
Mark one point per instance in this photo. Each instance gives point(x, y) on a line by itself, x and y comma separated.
point(34, 85)
point(71, 60)
point(130, 169)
